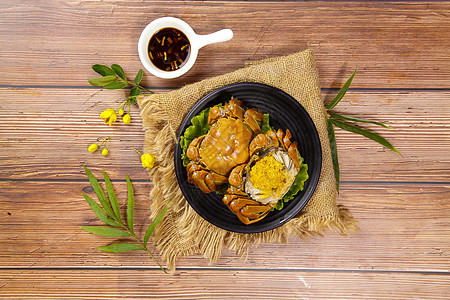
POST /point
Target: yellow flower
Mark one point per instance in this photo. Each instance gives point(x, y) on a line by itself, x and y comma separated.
point(92, 148)
point(148, 160)
point(127, 119)
point(121, 112)
point(105, 152)
point(109, 116)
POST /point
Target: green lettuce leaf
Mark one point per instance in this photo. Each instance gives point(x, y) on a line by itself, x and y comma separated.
point(199, 127)
point(265, 126)
point(296, 186)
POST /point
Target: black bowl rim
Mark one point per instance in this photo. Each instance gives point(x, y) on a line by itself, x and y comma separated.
point(301, 200)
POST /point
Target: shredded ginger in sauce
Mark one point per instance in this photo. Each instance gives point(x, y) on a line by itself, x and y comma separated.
point(168, 49)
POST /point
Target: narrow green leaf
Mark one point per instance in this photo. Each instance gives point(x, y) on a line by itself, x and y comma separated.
point(99, 192)
point(342, 92)
point(334, 154)
point(130, 206)
point(105, 231)
point(122, 247)
point(103, 70)
point(101, 81)
point(99, 212)
point(153, 225)
point(119, 71)
point(115, 85)
point(341, 117)
point(112, 198)
point(139, 76)
point(365, 133)
point(135, 91)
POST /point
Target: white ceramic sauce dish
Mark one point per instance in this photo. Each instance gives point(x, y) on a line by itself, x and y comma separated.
point(196, 42)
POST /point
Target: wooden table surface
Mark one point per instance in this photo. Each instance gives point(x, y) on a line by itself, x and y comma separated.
point(50, 114)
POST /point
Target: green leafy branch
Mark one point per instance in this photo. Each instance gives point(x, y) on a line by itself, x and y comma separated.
point(109, 212)
point(338, 121)
point(114, 78)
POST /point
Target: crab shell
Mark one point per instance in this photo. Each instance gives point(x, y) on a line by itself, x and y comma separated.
point(225, 146)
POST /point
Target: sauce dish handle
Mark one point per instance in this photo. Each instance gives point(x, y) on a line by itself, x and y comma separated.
point(215, 37)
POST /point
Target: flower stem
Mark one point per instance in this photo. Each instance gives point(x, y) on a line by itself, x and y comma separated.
point(137, 151)
point(124, 102)
point(105, 139)
point(138, 85)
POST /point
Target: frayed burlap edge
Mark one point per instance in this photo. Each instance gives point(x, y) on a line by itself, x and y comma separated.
point(182, 231)
point(170, 236)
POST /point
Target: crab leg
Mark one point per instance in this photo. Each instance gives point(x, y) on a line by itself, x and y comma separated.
point(253, 118)
point(293, 153)
point(287, 139)
point(235, 191)
point(273, 137)
point(197, 179)
point(291, 148)
point(247, 210)
point(280, 136)
point(234, 204)
point(214, 181)
point(235, 108)
point(206, 180)
point(255, 211)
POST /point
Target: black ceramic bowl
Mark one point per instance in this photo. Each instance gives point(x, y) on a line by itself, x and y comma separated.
point(285, 113)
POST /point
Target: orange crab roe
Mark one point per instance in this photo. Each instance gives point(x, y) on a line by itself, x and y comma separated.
point(269, 176)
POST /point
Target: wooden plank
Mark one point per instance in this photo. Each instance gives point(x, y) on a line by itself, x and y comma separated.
point(403, 227)
point(57, 125)
point(401, 50)
point(216, 284)
point(395, 45)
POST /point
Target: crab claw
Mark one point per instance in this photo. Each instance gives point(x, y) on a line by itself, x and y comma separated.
point(235, 178)
point(206, 180)
point(193, 150)
point(215, 113)
point(268, 139)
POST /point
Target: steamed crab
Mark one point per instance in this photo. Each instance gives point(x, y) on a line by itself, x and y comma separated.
point(259, 167)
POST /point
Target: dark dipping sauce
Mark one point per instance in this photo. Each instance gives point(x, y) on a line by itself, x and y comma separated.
point(168, 49)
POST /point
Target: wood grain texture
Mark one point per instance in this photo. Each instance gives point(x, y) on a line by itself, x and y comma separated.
point(395, 45)
point(49, 115)
point(59, 125)
point(402, 228)
point(193, 284)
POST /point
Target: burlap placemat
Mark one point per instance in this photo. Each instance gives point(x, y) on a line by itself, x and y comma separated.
point(182, 231)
